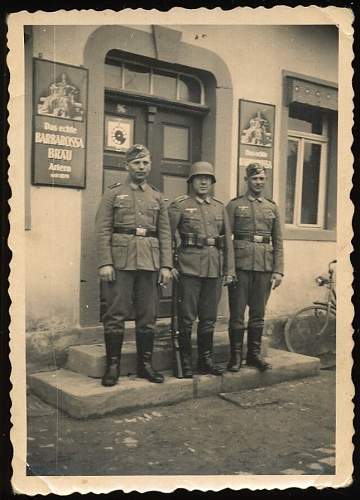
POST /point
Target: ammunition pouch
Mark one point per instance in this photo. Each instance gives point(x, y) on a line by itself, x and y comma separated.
point(195, 240)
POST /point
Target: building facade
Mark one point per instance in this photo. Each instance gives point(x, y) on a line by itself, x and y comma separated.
point(188, 93)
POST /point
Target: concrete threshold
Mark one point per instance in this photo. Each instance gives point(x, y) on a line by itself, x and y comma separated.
point(81, 396)
point(90, 359)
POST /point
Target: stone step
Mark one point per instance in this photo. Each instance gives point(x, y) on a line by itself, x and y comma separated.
point(81, 396)
point(90, 359)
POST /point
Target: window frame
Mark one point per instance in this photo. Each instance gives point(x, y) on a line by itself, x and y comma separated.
point(305, 233)
point(152, 70)
point(302, 138)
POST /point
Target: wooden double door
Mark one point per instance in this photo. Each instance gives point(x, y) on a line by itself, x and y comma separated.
point(173, 135)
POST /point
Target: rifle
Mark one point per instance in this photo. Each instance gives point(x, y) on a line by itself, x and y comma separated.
point(174, 329)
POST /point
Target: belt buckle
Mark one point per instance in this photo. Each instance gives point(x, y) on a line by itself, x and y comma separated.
point(211, 242)
point(140, 231)
point(258, 238)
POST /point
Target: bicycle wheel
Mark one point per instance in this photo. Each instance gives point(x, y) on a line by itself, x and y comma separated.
point(304, 335)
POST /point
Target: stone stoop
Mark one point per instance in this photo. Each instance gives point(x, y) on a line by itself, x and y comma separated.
point(81, 396)
point(90, 359)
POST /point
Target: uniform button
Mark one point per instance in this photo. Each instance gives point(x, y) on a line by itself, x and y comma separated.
point(140, 213)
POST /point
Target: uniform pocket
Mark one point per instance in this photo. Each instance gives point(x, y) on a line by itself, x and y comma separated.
point(219, 222)
point(269, 259)
point(243, 254)
point(122, 210)
point(191, 223)
point(269, 217)
point(242, 212)
point(153, 213)
point(189, 261)
point(155, 250)
point(120, 253)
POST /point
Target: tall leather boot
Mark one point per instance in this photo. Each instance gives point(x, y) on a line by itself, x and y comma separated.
point(186, 353)
point(205, 353)
point(253, 349)
point(145, 343)
point(113, 345)
point(236, 337)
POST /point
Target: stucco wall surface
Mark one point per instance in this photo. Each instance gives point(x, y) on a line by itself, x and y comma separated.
point(255, 57)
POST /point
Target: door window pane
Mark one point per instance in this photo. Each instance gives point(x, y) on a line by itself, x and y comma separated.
point(176, 142)
point(189, 89)
point(112, 76)
point(137, 78)
point(291, 181)
point(310, 183)
point(164, 85)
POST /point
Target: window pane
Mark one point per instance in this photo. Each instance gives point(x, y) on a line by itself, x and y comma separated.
point(189, 89)
point(137, 78)
point(292, 158)
point(112, 76)
point(164, 85)
point(176, 142)
point(310, 183)
point(305, 119)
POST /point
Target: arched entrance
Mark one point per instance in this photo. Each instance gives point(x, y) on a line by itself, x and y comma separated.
point(177, 132)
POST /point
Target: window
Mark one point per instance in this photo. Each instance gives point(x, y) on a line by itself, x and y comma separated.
point(306, 173)
point(146, 80)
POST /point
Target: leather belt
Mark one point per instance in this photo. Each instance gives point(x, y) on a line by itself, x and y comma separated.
point(255, 238)
point(138, 231)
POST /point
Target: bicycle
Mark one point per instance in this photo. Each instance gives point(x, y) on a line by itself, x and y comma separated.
point(312, 330)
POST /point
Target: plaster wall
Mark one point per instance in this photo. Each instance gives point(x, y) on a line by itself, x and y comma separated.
point(255, 57)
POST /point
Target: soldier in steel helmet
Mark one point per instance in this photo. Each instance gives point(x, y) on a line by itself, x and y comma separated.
point(258, 249)
point(134, 253)
point(199, 224)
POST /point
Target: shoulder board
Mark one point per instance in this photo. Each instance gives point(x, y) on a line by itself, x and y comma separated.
point(181, 198)
point(115, 185)
point(271, 201)
point(153, 187)
point(237, 197)
point(215, 199)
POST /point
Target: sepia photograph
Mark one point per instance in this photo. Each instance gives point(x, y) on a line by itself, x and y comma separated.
point(181, 231)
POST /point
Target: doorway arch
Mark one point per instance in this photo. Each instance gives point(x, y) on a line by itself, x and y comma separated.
point(217, 128)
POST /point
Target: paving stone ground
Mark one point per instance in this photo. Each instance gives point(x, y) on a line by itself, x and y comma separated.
point(288, 428)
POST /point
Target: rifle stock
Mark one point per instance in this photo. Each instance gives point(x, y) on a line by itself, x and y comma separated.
point(177, 366)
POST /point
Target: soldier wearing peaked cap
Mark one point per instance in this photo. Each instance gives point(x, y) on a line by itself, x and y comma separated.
point(200, 225)
point(134, 254)
point(258, 249)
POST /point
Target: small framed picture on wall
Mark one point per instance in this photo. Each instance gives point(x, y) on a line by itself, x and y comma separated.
point(119, 133)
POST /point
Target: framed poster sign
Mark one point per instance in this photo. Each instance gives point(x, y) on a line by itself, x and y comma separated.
point(119, 133)
point(59, 124)
point(256, 140)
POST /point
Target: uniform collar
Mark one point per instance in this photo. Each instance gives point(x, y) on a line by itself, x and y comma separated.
point(203, 200)
point(136, 187)
point(250, 197)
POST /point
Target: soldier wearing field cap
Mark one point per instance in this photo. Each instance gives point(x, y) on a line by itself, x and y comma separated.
point(258, 249)
point(134, 255)
point(200, 226)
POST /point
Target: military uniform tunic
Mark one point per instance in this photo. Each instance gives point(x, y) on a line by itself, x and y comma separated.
point(136, 258)
point(200, 267)
point(258, 254)
point(206, 219)
point(129, 206)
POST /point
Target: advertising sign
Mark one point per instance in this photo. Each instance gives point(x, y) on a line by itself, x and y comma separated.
point(256, 139)
point(59, 128)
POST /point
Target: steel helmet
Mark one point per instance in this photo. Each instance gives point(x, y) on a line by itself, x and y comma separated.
point(201, 168)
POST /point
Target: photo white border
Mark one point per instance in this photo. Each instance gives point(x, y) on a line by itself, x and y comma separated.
point(279, 15)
